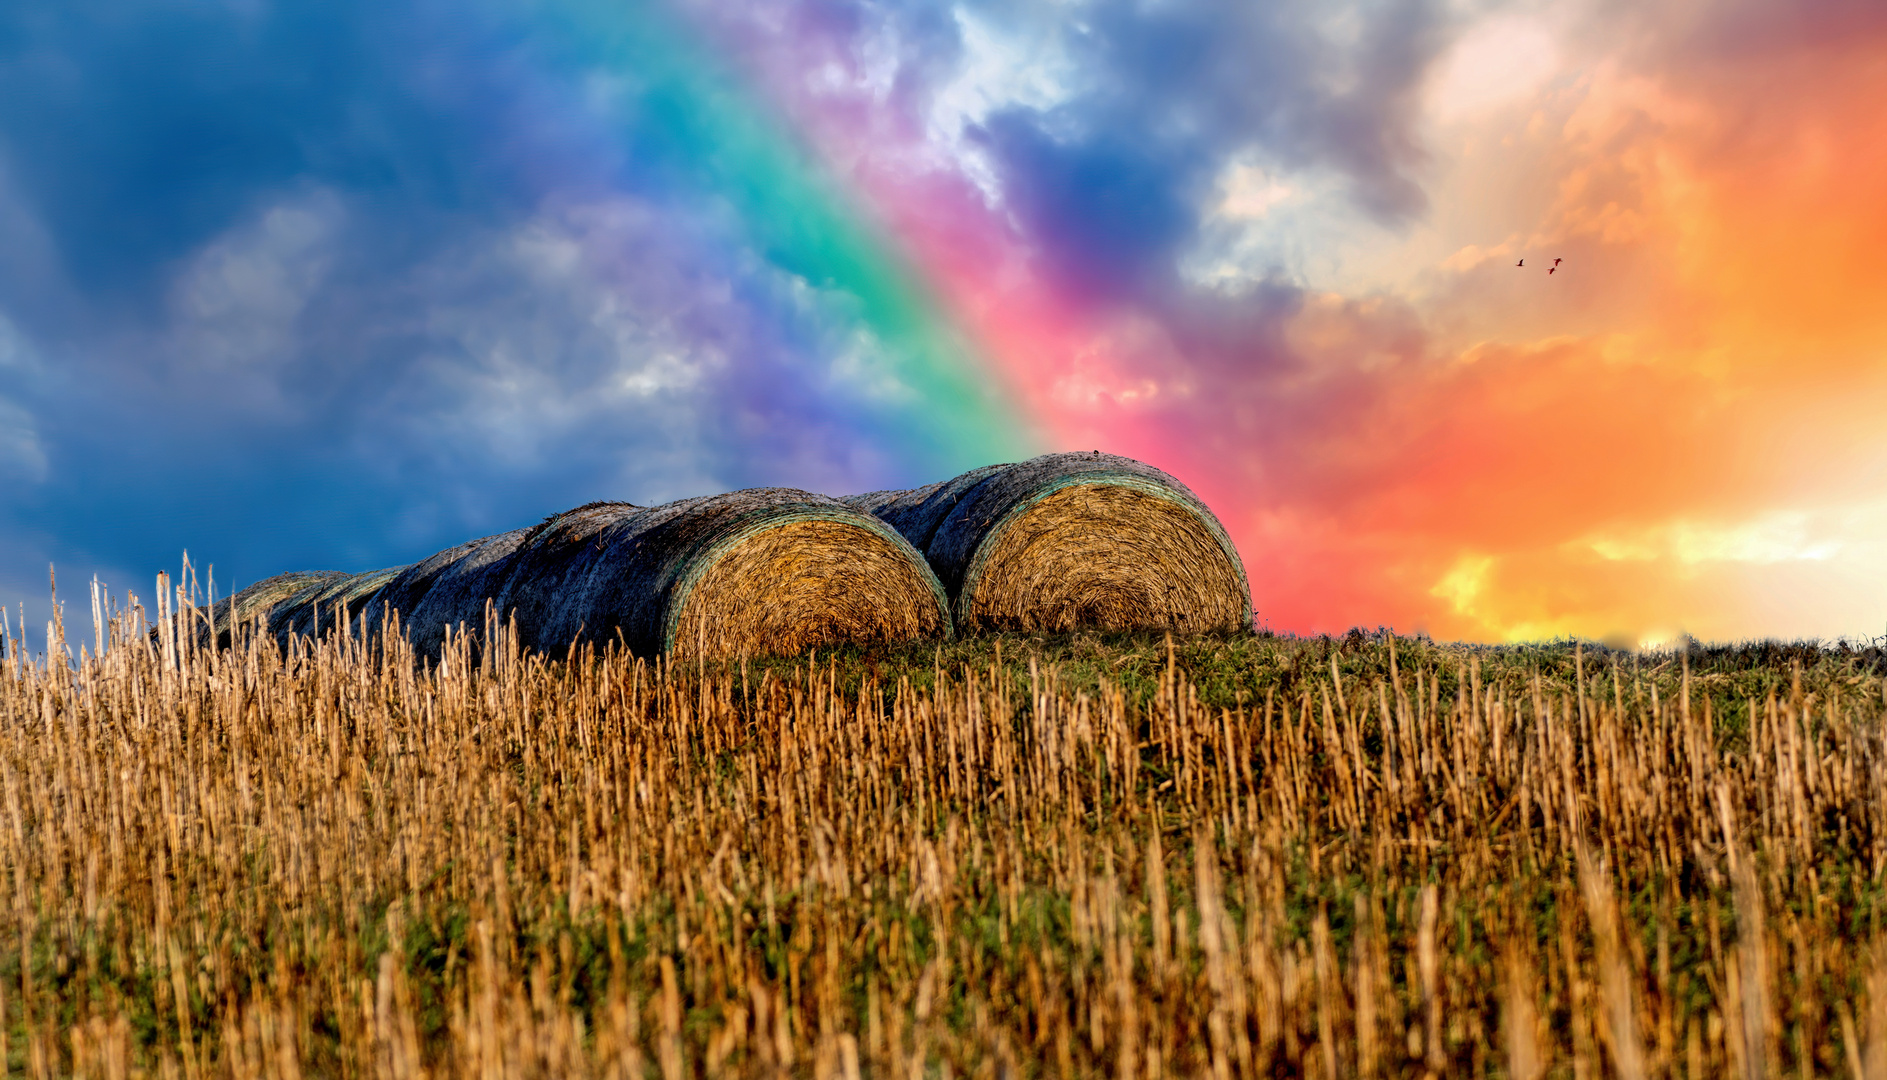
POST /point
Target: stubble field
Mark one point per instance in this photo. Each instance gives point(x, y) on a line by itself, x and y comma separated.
point(1078, 855)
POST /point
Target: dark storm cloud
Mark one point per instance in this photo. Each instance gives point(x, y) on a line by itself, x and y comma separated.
point(1110, 180)
point(337, 284)
point(224, 204)
point(1113, 181)
point(1104, 212)
point(139, 130)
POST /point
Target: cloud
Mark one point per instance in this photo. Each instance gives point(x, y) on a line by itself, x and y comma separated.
point(1498, 62)
point(1272, 248)
point(22, 457)
point(22, 454)
point(237, 302)
point(1776, 536)
point(1104, 215)
point(336, 285)
point(1129, 110)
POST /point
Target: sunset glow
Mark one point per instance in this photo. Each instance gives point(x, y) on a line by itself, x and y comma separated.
point(569, 251)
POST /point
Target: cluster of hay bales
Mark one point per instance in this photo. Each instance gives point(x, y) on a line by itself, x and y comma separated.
point(1055, 543)
point(765, 571)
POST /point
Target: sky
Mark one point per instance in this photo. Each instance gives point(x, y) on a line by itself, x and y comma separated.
point(295, 285)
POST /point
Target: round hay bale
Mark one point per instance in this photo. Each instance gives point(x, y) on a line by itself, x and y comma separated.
point(262, 599)
point(764, 571)
point(319, 605)
point(1072, 540)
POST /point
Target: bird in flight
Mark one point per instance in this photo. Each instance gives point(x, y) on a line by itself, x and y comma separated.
point(1550, 269)
point(1522, 262)
point(1556, 262)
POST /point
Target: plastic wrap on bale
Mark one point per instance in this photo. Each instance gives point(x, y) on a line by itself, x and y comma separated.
point(1073, 540)
point(768, 571)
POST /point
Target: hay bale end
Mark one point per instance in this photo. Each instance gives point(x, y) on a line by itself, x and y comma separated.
point(1067, 541)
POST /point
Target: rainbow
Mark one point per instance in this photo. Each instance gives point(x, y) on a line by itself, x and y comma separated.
point(690, 131)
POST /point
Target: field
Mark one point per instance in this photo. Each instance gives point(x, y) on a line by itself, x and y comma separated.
point(1077, 855)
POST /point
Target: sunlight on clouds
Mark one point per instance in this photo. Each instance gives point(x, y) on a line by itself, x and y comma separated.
point(533, 340)
point(1119, 366)
point(1471, 591)
point(1464, 582)
point(660, 372)
point(1785, 574)
point(1781, 536)
point(1299, 226)
point(862, 368)
point(1541, 595)
point(1248, 191)
point(1019, 65)
point(873, 70)
point(1501, 61)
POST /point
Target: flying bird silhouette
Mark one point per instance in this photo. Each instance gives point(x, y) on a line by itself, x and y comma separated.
point(1556, 262)
point(1522, 262)
point(1550, 269)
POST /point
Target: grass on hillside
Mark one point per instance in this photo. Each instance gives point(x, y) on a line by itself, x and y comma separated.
point(1089, 855)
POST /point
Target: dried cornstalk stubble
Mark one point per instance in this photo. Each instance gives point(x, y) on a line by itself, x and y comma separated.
point(1239, 857)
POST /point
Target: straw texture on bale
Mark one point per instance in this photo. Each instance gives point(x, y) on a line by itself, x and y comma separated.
point(317, 606)
point(763, 571)
point(261, 600)
point(1072, 540)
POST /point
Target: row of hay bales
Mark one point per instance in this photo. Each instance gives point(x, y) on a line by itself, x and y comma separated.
point(1055, 543)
